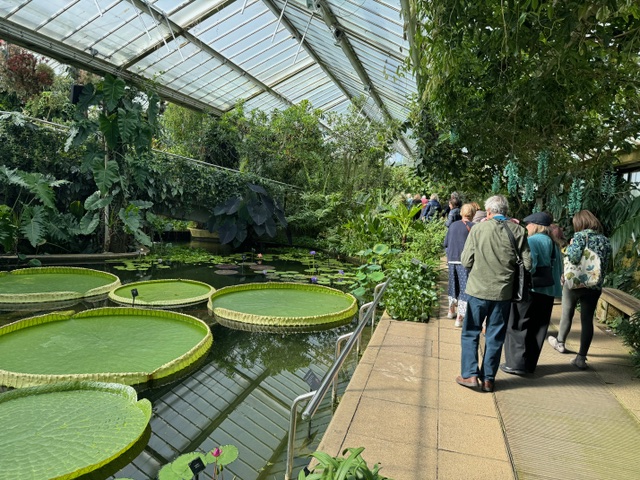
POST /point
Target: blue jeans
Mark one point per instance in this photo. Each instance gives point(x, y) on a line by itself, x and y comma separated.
point(497, 315)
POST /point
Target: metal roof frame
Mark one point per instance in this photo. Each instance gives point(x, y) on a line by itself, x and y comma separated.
point(211, 79)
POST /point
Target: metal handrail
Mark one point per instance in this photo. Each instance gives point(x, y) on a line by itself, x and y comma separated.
point(318, 395)
point(341, 339)
point(293, 420)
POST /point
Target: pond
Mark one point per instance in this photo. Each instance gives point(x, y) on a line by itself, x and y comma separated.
point(242, 393)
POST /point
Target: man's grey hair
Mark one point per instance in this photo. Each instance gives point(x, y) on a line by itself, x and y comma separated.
point(498, 205)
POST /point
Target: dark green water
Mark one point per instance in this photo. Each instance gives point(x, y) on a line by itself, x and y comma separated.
point(243, 392)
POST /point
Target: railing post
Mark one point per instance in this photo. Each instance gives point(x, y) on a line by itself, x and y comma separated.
point(334, 389)
point(293, 420)
point(364, 309)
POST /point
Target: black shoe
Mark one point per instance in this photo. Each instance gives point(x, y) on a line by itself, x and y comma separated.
point(511, 371)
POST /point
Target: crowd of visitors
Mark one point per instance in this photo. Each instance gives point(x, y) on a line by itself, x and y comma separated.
point(487, 252)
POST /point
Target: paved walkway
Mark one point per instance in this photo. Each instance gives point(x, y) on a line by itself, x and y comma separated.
point(404, 407)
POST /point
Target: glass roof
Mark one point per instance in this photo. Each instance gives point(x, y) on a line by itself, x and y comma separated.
point(210, 54)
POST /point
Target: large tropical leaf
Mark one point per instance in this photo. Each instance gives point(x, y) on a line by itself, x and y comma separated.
point(78, 135)
point(12, 176)
point(93, 153)
point(32, 225)
point(280, 215)
point(142, 238)
point(229, 207)
point(113, 89)
point(109, 128)
point(88, 223)
point(258, 213)
point(227, 231)
point(128, 122)
point(257, 188)
point(270, 227)
point(241, 234)
point(86, 97)
point(627, 232)
point(41, 186)
point(61, 226)
point(130, 216)
point(95, 201)
point(132, 219)
point(105, 175)
point(153, 109)
point(8, 228)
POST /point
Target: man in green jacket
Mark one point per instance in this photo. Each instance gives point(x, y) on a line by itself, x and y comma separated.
point(489, 254)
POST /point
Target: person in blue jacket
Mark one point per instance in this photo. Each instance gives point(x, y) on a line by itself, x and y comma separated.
point(454, 211)
point(454, 244)
point(432, 209)
point(529, 320)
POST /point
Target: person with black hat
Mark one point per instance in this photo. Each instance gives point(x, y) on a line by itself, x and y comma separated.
point(529, 320)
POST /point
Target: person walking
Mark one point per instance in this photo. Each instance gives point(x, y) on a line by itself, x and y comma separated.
point(454, 211)
point(489, 253)
point(431, 209)
point(454, 243)
point(588, 234)
point(529, 320)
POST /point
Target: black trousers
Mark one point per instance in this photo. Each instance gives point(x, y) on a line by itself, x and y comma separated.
point(527, 331)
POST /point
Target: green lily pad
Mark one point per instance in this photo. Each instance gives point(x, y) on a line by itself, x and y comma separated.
point(228, 454)
point(67, 430)
point(179, 468)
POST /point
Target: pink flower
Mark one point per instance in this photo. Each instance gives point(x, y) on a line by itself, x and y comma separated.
point(259, 255)
point(216, 452)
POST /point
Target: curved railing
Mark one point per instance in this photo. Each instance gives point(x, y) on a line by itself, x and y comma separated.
point(367, 312)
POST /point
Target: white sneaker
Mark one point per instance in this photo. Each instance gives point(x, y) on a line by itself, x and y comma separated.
point(458, 323)
point(580, 362)
point(452, 312)
point(559, 346)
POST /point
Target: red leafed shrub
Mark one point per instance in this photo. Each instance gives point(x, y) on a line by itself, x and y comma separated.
point(25, 75)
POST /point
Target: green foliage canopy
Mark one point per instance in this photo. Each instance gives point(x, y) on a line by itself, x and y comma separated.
point(515, 78)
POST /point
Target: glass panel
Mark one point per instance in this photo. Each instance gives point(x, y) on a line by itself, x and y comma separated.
point(265, 102)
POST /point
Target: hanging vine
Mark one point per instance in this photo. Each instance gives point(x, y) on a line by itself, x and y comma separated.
point(543, 166)
point(511, 172)
point(574, 205)
point(495, 185)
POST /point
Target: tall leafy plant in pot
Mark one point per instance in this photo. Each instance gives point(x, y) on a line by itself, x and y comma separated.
point(119, 122)
point(256, 211)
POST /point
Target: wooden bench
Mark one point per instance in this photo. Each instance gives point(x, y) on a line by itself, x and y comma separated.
point(621, 301)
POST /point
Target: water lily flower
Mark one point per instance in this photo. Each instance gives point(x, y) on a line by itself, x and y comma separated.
point(259, 255)
point(312, 252)
point(314, 279)
point(216, 452)
point(341, 272)
point(264, 272)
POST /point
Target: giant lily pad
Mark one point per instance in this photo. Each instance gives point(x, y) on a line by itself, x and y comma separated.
point(53, 284)
point(162, 293)
point(132, 346)
point(70, 429)
point(278, 307)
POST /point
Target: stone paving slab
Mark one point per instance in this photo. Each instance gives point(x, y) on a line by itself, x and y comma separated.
point(404, 407)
